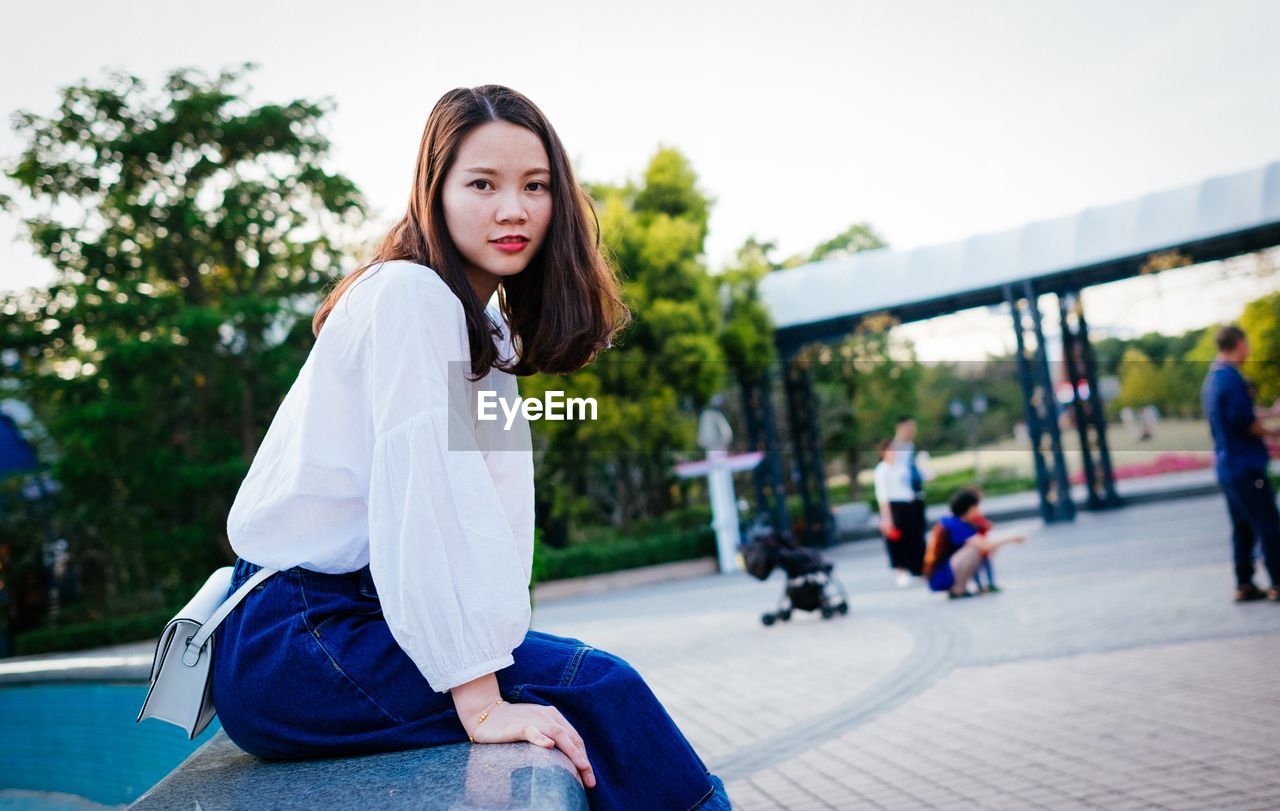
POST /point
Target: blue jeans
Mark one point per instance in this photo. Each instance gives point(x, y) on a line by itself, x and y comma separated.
point(985, 568)
point(306, 667)
point(1251, 502)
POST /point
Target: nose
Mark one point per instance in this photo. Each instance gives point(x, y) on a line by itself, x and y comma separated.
point(511, 208)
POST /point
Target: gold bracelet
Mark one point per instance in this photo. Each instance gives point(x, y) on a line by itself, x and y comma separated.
point(484, 715)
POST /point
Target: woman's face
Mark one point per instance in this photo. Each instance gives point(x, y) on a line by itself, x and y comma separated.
point(497, 202)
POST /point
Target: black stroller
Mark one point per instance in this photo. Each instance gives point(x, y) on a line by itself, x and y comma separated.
point(811, 581)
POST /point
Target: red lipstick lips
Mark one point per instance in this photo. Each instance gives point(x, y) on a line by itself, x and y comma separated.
point(511, 243)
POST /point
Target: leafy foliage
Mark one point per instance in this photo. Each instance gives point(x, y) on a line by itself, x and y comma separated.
point(857, 237)
point(1261, 322)
point(617, 469)
point(864, 383)
point(190, 232)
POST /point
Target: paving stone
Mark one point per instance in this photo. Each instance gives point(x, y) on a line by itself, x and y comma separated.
point(1113, 671)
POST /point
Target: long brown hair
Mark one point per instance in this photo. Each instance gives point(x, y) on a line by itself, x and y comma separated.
point(566, 305)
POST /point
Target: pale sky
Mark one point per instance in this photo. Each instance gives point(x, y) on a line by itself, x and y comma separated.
point(932, 120)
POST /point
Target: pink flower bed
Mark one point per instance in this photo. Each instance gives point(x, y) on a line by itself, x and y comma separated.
point(1164, 463)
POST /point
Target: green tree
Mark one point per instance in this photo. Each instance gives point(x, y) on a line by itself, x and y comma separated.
point(857, 237)
point(1173, 384)
point(1155, 346)
point(191, 233)
point(650, 385)
point(1142, 381)
point(1184, 372)
point(864, 383)
point(1261, 322)
point(866, 379)
point(747, 337)
point(943, 383)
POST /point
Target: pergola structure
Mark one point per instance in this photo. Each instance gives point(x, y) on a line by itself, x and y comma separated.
point(825, 301)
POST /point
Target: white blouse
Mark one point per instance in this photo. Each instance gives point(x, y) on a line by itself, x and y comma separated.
point(893, 482)
point(375, 457)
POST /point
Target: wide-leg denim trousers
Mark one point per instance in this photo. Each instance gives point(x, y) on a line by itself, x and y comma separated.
point(306, 667)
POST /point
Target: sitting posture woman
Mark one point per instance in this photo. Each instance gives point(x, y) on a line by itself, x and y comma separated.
point(959, 546)
point(402, 525)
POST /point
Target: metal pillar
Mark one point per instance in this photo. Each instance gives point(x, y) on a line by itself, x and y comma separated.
point(1099, 416)
point(1077, 354)
point(762, 435)
point(1029, 407)
point(1066, 507)
point(1040, 407)
point(1074, 363)
point(811, 479)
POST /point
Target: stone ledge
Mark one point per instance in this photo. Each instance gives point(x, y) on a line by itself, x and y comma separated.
point(118, 663)
point(517, 777)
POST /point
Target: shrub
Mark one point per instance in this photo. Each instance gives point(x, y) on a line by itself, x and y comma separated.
point(94, 634)
point(600, 557)
point(548, 564)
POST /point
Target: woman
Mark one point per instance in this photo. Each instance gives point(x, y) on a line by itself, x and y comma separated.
point(403, 527)
point(894, 496)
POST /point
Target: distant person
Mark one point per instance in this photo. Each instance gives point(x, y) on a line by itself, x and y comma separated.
point(1129, 418)
point(1240, 461)
point(912, 521)
point(1149, 418)
point(894, 496)
point(959, 546)
point(909, 461)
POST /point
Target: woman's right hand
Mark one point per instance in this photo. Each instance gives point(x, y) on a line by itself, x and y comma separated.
point(540, 725)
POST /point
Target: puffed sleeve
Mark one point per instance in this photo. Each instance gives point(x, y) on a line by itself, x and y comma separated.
point(452, 577)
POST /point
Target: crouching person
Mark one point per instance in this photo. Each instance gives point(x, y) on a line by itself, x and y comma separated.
point(959, 546)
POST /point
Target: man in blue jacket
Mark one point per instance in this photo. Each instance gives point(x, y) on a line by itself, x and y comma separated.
point(1240, 460)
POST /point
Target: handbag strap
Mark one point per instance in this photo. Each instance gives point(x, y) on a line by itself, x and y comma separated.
point(191, 655)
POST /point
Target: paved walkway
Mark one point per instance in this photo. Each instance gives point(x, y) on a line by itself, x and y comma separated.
point(1114, 671)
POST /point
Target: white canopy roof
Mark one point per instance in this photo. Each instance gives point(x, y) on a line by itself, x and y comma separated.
point(873, 281)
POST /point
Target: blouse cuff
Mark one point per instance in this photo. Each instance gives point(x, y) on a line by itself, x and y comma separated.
point(451, 680)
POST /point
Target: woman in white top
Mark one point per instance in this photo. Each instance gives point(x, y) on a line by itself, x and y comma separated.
point(402, 525)
point(894, 496)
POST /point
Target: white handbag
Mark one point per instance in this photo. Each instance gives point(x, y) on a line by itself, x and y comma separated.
point(180, 683)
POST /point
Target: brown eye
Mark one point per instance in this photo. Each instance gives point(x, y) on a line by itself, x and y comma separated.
point(541, 186)
point(478, 180)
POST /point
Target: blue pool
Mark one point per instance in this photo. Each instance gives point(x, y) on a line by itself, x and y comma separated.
point(80, 739)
